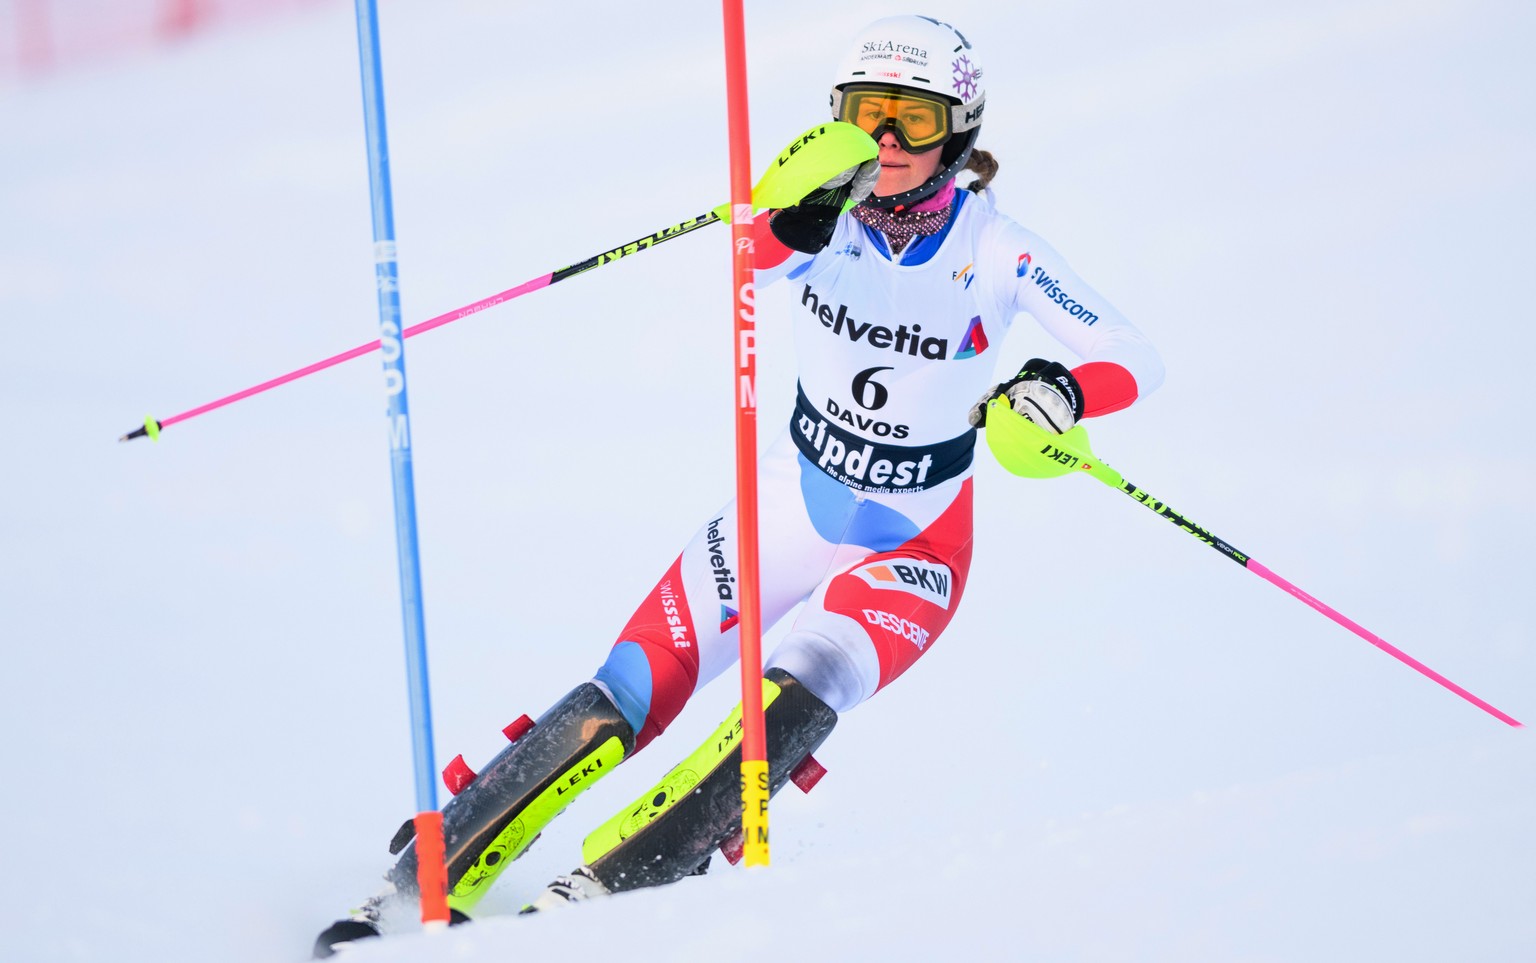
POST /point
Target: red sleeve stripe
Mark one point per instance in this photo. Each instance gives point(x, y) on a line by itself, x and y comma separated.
point(768, 251)
point(1106, 387)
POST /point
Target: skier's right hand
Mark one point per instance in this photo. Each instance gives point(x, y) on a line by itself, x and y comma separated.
point(808, 225)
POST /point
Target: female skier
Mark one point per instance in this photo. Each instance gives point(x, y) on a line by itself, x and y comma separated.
point(865, 497)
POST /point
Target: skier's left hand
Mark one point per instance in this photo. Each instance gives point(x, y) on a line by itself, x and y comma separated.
point(808, 225)
point(1044, 392)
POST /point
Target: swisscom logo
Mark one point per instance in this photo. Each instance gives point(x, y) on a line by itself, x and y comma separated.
point(1054, 290)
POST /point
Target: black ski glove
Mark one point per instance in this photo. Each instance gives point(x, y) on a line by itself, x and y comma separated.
point(808, 226)
point(1043, 391)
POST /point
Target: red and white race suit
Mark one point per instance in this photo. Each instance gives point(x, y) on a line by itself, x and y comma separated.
point(865, 498)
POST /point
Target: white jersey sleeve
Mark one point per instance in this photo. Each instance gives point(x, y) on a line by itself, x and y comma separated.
point(1031, 276)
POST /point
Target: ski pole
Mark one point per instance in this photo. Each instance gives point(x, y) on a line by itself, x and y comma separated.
point(152, 426)
point(1025, 449)
point(812, 158)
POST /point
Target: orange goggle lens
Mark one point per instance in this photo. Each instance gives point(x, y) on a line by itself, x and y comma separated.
point(919, 122)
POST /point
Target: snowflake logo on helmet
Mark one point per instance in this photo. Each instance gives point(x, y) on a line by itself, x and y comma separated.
point(965, 77)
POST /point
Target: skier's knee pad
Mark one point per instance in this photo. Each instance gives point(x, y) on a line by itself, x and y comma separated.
point(493, 820)
point(671, 831)
point(841, 672)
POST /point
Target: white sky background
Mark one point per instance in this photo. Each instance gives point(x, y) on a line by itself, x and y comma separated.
point(1125, 748)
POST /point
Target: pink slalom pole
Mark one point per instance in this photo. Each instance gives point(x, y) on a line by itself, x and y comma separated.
point(1263, 571)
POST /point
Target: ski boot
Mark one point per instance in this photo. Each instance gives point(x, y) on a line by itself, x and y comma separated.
point(497, 814)
point(672, 831)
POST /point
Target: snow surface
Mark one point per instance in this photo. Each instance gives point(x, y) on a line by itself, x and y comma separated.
point(1125, 748)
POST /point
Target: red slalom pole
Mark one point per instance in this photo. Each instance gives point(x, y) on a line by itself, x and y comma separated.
point(754, 743)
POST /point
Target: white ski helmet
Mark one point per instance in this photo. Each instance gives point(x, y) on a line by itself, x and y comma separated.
point(929, 59)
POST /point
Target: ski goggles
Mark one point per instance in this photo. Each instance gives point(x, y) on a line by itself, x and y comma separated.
point(920, 121)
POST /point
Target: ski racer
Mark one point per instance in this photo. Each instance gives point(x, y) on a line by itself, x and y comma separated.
point(865, 496)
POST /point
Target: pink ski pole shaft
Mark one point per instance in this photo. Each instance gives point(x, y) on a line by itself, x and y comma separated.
point(1262, 571)
point(152, 426)
point(1113, 479)
point(1027, 450)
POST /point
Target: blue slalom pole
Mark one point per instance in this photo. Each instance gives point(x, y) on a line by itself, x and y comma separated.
point(392, 348)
